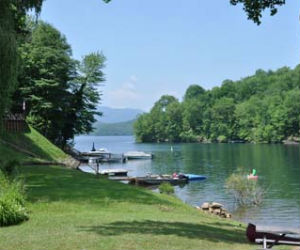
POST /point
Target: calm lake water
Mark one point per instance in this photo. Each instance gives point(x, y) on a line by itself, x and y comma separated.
point(278, 167)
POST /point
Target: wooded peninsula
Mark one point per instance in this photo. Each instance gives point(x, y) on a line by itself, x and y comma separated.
point(263, 108)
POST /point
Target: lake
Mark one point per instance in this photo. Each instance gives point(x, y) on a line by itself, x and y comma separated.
point(278, 167)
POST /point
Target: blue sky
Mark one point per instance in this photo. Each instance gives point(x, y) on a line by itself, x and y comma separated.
point(156, 47)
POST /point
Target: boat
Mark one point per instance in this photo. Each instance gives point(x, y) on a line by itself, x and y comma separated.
point(270, 238)
point(133, 155)
point(158, 179)
point(98, 152)
point(115, 172)
point(194, 177)
point(103, 155)
point(252, 177)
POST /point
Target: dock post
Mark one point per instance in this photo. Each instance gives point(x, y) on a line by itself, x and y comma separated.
point(265, 242)
point(97, 167)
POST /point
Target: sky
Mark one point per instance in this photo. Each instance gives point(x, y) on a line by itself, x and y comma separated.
point(156, 47)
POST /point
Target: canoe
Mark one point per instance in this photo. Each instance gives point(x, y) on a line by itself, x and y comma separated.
point(194, 177)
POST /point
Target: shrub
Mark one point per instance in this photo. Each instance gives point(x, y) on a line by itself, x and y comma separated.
point(9, 168)
point(222, 138)
point(12, 201)
point(246, 192)
point(166, 188)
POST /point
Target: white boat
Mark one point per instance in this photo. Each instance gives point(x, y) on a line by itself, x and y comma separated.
point(137, 155)
point(115, 172)
point(98, 152)
point(102, 155)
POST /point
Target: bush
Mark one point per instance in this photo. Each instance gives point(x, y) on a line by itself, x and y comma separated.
point(12, 201)
point(166, 188)
point(246, 192)
point(222, 138)
point(9, 168)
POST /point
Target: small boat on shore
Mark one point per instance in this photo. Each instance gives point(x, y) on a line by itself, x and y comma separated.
point(114, 172)
point(158, 179)
point(99, 152)
point(252, 177)
point(135, 155)
point(194, 177)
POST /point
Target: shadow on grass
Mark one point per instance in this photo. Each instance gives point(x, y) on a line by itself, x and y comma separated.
point(210, 232)
point(53, 183)
point(21, 140)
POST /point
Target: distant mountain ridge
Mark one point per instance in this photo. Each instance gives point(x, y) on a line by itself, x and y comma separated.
point(116, 115)
point(116, 121)
point(119, 128)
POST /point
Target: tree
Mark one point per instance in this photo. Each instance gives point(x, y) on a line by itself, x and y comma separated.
point(12, 32)
point(84, 96)
point(223, 119)
point(193, 91)
point(264, 107)
point(12, 23)
point(61, 93)
point(8, 56)
point(143, 129)
point(44, 83)
point(174, 121)
point(254, 8)
point(163, 123)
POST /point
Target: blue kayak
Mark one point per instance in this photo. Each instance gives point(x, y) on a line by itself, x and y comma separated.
point(194, 177)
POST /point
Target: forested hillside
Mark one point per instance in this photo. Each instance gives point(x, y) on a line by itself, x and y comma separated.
point(262, 108)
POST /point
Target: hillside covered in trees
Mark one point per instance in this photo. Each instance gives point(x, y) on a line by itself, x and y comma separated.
point(262, 108)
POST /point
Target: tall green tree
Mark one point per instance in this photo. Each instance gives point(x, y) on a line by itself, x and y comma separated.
point(44, 83)
point(61, 93)
point(12, 32)
point(84, 96)
point(8, 56)
point(12, 28)
point(193, 92)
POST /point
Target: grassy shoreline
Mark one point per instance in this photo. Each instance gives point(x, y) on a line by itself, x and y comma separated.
point(70, 209)
point(74, 210)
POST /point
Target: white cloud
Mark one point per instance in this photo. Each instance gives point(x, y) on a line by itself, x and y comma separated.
point(126, 95)
point(133, 78)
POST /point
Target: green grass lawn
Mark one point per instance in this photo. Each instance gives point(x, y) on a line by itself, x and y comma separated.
point(74, 210)
point(32, 141)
